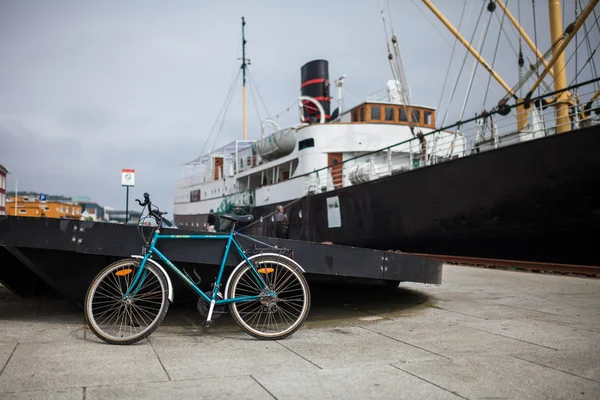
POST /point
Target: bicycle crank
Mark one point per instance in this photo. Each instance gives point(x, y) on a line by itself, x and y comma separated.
point(203, 307)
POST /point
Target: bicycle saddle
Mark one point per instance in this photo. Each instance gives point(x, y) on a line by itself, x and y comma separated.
point(242, 219)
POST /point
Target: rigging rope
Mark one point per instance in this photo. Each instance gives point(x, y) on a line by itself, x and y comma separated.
point(574, 81)
point(462, 66)
point(572, 55)
point(589, 47)
point(506, 36)
point(482, 42)
point(351, 97)
point(225, 108)
point(452, 55)
point(431, 23)
point(258, 92)
point(495, 54)
point(521, 62)
point(537, 60)
point(255, 102)
point(398, 72)
point(221, 111)
point(534, 69)
point(276, 116)
point(576, 45)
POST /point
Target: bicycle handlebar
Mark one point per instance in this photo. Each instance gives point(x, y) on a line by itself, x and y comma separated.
point(157, 215)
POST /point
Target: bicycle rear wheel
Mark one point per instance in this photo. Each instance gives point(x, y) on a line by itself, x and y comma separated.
point(118, 320)
point(270, 317)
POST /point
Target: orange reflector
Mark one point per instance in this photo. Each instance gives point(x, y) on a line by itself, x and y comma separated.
point(123, 272)
point(266, 270)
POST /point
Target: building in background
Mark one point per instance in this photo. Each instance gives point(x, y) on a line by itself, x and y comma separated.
point(119, 216)
point(91, 211)
point(28, 205)
point(34, 204)
point(3, 173)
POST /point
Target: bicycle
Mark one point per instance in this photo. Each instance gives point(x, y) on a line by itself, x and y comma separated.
point(267, 294)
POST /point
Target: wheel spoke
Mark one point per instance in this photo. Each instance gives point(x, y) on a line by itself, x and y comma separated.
point(117, 319)
point(270, 317)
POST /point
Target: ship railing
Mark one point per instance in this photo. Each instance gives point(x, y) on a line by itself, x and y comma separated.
point(484, 132)
point(199, 179)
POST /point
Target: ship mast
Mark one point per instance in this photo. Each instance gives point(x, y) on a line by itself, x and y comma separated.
point(560, 42)
point(560, 78)
point(244, 65)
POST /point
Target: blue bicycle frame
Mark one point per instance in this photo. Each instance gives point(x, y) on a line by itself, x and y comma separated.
point(141, 274)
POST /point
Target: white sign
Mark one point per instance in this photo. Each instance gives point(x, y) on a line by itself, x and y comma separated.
point(334, 218)
point(128, 177)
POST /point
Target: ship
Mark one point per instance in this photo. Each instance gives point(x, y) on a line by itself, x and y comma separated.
point(518, 182)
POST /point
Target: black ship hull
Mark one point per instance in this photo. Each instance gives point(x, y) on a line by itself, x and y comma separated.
point(533, 201)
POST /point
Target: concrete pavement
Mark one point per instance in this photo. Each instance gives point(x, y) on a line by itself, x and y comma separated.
point(482, 334)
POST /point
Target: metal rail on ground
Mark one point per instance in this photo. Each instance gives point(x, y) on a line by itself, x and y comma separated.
point(590, 270)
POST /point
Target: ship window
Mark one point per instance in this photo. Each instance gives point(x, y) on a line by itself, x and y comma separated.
point(362, 114)
point(403, 117)
point(375, 113)
point(416, 116)
point(306, 143)
point(22, 211)
point(354, 116)
point(389, 114)
point(195, 195)
point(427, 117)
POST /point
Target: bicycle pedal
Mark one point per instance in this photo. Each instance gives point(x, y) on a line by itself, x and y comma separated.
point(208, 323)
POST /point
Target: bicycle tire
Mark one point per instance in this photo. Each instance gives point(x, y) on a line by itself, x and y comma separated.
point(98, 295)
point(280, 267)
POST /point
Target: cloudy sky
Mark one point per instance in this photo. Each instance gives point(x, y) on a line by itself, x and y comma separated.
point(88, 88)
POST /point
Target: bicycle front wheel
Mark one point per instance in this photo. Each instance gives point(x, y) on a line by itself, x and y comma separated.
point(119, 320)
point(270, 317)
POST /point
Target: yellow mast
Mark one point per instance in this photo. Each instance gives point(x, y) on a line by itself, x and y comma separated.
point(556, 33)
point(244, 100)
point(469, 47)
point(560, 78)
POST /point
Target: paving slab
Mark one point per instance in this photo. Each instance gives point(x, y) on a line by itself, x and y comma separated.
point(583, 322)
point(192, 357)
point(235, 387)
point(79, 363)
point(352, 346)
point(483, 309)
point(482, 333)
point(503, 377)
point(42, 328)
point(452, 341)
point(552, 336)
point(583, 363)
point(556, 304)
point(6, 349)
point(371, 382)
point(61, 394)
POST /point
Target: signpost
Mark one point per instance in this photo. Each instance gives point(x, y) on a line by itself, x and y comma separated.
point(127, 180)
